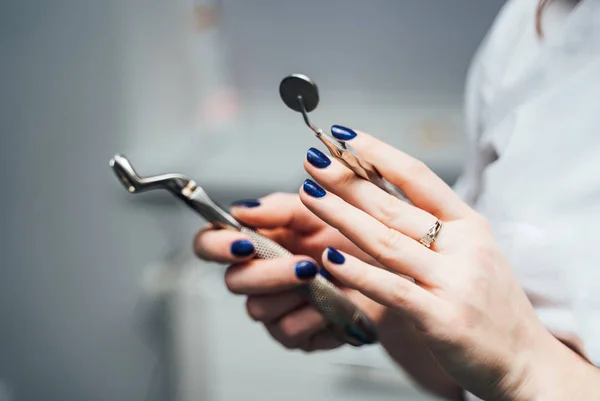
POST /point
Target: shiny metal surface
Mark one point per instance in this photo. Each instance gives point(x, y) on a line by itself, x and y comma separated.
point(348, 322)
point(179, 185)
point(297, 86)
point(301, 94)
point(429, 238)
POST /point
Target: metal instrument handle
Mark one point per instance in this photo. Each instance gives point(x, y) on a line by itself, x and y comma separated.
point(346, 319)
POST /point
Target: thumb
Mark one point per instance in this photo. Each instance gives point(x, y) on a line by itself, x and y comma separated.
point(276, 210)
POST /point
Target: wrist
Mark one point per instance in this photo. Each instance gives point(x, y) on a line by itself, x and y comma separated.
point(554, 372)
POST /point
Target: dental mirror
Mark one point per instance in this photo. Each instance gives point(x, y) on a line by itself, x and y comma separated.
point(298, 86)
point(300, 93)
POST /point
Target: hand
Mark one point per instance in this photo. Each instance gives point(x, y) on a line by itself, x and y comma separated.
point(465, 302)
point(270, 284)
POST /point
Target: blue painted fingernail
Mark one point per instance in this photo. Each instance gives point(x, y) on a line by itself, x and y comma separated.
point(246, 203)
point(323, 272)
point(306, 269)
point(313, 189)
point(317, 158)
point(242, 248)
point(357, 334)
point(334, 256)
point(342, 133)
point(367, 329)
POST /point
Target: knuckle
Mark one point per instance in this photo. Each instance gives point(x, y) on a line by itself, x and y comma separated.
point(280, 198)
point(388, 209)
point(416, 169)
point(485, 255)
point(197, 244)
point(230, 279)
point(276, 333)
point(464, 320)
point(344, 178)
point(363, 280)
point(288, 343)
point(307, 349)
point(482, 223)
point(400, 293)
point(277, 196)
point(390, 244)
point(393, 239)
point(445, 324)
point(291, 328)
point(254, 309)
point(453, 320)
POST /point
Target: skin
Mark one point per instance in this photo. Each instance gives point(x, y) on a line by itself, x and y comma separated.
point(464, 322)
point(272, 301)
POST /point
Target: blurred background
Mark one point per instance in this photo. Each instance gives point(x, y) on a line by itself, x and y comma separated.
point(100, 296)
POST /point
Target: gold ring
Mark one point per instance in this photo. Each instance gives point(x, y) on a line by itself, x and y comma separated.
point(432, 234)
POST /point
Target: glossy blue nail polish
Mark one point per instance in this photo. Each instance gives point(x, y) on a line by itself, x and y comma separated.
point(359, 335)
point(342, 133)
point(313, 189)
point(323, 272)
point(246, 203)
point(334, 256)
point(317, 158)
point(306, 269)
point(242, 248)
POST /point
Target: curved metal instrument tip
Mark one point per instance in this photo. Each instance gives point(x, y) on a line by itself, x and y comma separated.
point(125, 172)
point(134, 183)
point(297, 86)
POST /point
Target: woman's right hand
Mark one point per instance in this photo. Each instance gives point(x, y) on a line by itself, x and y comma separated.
point(270, 284)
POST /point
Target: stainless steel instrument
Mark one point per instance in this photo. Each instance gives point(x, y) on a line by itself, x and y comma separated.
point(346, 320)
point(301, 94)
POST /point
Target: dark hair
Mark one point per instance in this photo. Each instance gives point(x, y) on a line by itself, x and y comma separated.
point(538, 17)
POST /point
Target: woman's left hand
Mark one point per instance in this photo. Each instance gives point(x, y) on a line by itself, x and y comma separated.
point(465, 300)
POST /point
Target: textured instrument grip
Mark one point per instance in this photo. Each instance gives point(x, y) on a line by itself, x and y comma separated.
point(345, 318)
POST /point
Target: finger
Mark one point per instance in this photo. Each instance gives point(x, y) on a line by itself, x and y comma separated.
point(274, 211)
point(312, 244)
point(323, 340)
point(390, 247)
point(284, 219)
point(421, 185)
point(297, 327)
point(391, 211)
point(224, 246)
point(268, 276)
point(381, 286)
point(269, 308)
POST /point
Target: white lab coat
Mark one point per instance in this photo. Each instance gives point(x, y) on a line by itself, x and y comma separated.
point(533, 122)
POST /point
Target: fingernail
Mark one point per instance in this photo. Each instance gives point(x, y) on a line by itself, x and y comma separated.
point(342, 133)
point(334, 256)
point(323, 272)
point(313, 189)
point(246, 203)
point(358, 334)
point(242, 248)
point(317, 158)
point(367, 329)
point(306, 269)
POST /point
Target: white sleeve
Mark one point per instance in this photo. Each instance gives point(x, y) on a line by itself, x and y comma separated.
point(468, 184)
point(542, 197)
